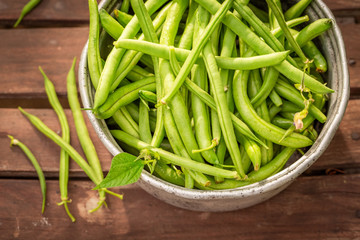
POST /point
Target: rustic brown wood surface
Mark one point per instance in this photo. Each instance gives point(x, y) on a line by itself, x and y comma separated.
point(323, 203)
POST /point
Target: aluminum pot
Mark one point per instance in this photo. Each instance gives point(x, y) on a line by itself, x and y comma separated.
point(227, 200)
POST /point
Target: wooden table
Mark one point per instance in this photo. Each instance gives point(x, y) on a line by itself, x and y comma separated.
point(324, 203)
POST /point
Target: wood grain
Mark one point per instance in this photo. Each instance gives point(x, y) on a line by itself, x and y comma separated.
point(50, 12)
point(24, 50)
point(310, 208)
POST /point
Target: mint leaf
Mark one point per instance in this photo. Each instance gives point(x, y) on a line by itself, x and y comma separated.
point(125, 169)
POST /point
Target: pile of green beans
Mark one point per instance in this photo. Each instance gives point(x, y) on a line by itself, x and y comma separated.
point(220, 94)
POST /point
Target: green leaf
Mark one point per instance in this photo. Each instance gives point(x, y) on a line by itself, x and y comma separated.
point(125, 169)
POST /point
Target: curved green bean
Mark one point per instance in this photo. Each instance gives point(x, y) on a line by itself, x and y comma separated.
point(59, 141)
point(36, 165)
point(258, 125)
point(26, 9)
point(124, 96)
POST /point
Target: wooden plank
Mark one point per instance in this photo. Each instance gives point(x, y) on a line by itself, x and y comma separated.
point(351, 36)
point(342, 153)
point(47, 12)
point(340, 5)
point(325, 207)
point(14, 162)
point(344, 150)
point(24, 50)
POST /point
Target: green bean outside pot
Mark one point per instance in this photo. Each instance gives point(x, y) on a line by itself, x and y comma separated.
point(65, 131)
point(82, 131)
point(36, 165)
point(26, 9)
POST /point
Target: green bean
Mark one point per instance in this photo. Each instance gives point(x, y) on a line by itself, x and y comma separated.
point(169, 174)
point(174, 159)
point(291, 23)
point(244, 32)
point(81, 130)
point(261, 14)
point(282, 122)
point(297, 9)
point(109, 72)
point(195, 52)
point(270, 78)
point(133, 110)
point(111, 26)
point(252, 150)
point(314, 53)
point(222, 108)
point(59, 141)
point(124, 120)
point(247, 63)
point(150, 34)
point(291, 94)
point(148, 96)
point(290, 107)
point(275, 98)
point(93, 57)
point(122, 17)
point(258, 125)
point(312, 31)
point(273, 111)
point(36, 165)
point(187, 36)
point(144, 122)
point(288, 115)
point(125, 5)
point(124, 96)
point(64, 157)
point(26, 9)
point(263, 112)
point(201, 116)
